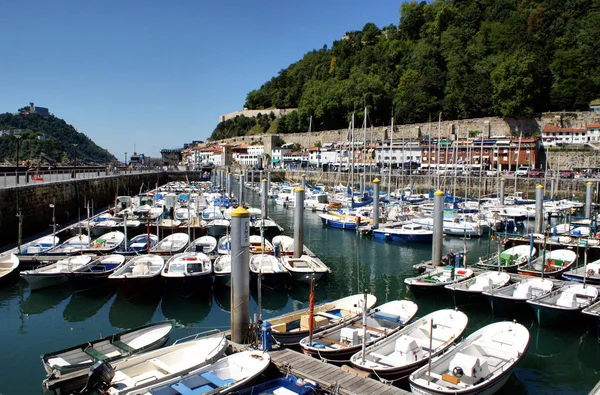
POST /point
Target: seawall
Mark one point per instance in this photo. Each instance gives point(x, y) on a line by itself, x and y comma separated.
point(33, 201)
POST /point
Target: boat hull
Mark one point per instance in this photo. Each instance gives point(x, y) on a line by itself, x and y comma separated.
point(550, 316)
point(41, 281)
point(487, 389)
point(223, 279)
point(305, 277)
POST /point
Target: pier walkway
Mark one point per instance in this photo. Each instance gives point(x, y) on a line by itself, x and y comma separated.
point(329, 377)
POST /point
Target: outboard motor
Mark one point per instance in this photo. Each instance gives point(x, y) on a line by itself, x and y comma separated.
point(99, 377)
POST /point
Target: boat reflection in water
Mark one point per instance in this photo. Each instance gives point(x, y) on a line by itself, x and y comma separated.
point(299, 294)
point(86, 304)
point(186, 310)
point(272, 300)
point(222, 296)
point(129, 313)
point(39, 301)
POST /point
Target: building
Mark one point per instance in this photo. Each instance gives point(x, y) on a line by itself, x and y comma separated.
point(170, 157)
point(137, 160)
point(33, 109)
point(553, 135)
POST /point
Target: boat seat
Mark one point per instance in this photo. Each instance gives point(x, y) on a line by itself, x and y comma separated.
point(329, 315)
point(123, 346)
point(97, 355)
point(213, 378)
point(58, 361)
point(388, 317)
point(185, 390)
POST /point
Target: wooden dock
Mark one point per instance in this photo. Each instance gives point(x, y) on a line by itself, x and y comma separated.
point(329, 377)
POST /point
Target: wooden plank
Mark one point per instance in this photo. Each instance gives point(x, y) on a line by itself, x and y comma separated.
point(369, 328)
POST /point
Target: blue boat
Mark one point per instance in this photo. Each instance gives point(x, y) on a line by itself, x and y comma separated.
point(408, 233)
point(291, 383)
point(342, 222)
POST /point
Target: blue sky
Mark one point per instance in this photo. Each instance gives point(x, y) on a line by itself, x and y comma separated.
point(159, 74)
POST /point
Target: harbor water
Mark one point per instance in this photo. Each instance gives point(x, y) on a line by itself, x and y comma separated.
point(559, 360)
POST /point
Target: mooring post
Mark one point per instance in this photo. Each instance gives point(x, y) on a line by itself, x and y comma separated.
point(588, 200)
point(376, 182)
point(438, 227)
point(299, 223)
point(501, 192)
point(264, 198)
point(241, 185)
point(539, 208)
point(240, 275)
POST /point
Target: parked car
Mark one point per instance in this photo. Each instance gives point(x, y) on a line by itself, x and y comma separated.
point(566, 174)
point(536, 173)
point(522, 171)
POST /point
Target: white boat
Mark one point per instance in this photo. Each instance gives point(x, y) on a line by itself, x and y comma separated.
point(224, 245)
point(111, 348)
point(397, 356)
point(56, 273)
point(260, 245)
point(505, 299)
point(106, 243)
point(74, 245)
point(273, 273)
point(140, 274)
point(552, 262)
point(205, 244)
point(188, 271)
point(167, 363)
point(140, 243)
point(481, 364)
point(286, 197)
point(461, 227)
point(408, 233)
point(590, 272)
point(473, 287)
point(435, 280)
point(222, 270)
point(305, 267)
point(40, 245)
point(9, 268)
point(228, 374)
point(172, 244)
point(340, 342)
point(510, 259)
point(283, 245)
point(563, 304)
point(290, 328)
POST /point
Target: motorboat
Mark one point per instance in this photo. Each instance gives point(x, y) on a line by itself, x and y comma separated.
point(283, 245)
point(227, 374)
point(96, 272)
point(106, 243)
point(589, 272)
point(396, 356)
point(54, 274)
point(9, 268)
point(563, 304)
point(552, 263)
point(481, 364)
point(222, 270)
point(288, 385)
point(305, 267)
point(273, 273)
point(140, 274)
point(188, 272)
point(73, 245)
point(505, 299)
point(172, 244)
point(436, 279)
point(40, 245)
point(510, 259)
point(260, 245)
point(168, 363)
point(109, 349)
point(206, 244)
point(407, 233)
point(342, 222)
point(341, 342)
point(473, 288)
point(290, 328)
point(143, 242)
point(224, 245)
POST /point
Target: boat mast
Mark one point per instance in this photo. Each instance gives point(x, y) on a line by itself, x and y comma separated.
point(437, 157)
point(390, 169)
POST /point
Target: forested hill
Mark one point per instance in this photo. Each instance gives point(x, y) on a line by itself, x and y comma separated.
point(56, 141)
point(465, 58)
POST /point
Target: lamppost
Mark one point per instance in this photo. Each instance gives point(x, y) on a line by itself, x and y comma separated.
point(125, 163)
point(17, 139)
point(74, 175)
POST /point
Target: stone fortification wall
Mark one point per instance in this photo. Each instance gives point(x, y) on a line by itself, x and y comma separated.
point(278, 112)
point(491, 126)
point(70, 196)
